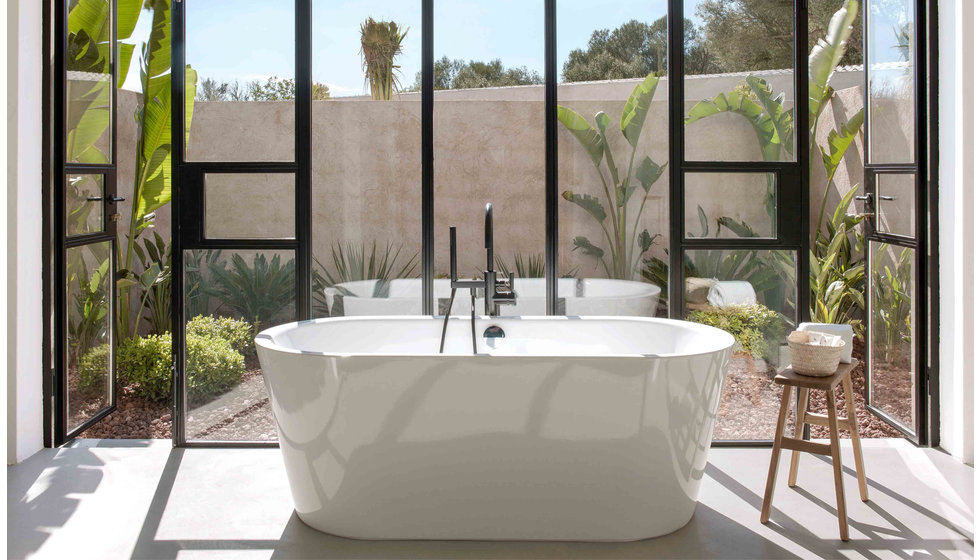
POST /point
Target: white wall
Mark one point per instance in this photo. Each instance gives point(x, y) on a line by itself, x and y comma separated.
point(957, 246)
point(23, 337)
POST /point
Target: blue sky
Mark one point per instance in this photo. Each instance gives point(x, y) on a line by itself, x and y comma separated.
point(253, 39)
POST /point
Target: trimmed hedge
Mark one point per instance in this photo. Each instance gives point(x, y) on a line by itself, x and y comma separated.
point(239, 334)
point(215, 360)
point(755, 327)
point(213, 367)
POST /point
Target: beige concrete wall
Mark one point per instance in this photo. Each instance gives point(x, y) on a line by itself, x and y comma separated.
point(489, 146)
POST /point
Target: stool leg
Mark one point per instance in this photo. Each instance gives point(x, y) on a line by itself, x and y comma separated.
point(802, 395)
point(776, 446)
point(856, 440)
point(838, 471)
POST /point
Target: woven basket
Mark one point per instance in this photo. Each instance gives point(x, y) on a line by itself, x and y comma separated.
point(815, 361)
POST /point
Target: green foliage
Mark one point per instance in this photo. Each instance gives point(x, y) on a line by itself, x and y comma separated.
point(837, 269)
point(273, 89)
point(755, 327)
point(238, 333)
point(256, 292)
point(152, 184)
point(88, 293)
point(892, 290)
point(381, 42)
point(144, 363)
point(94, 367)
point(197, 298)
point(213, 367)
point(459, 74)
point(153, 282)
point(624, 241)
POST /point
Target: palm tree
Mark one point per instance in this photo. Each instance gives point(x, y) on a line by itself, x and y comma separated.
point(381, 42)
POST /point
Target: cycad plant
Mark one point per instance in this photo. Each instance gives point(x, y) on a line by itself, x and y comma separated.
point(256, 293)
point(381, 42)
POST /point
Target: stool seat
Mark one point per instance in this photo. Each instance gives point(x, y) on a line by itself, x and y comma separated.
point(804, 384)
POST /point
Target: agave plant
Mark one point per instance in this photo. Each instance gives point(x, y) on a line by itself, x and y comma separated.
point(256, 293)
point(381, 42)
point(624, 243)
point(353, 262)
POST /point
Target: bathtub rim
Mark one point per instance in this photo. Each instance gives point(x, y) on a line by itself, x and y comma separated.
point(265, 339)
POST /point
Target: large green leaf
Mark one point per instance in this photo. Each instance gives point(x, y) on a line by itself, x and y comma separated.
point(637, 107)
point(190, 93)
point(840, 141)
point(588, 203)
point(127, 14)
point(649, 172)
point(157, 48)
point(583, 132)
point(93, 17)
point(742, 104)
point(827, 54)
point(125, 58)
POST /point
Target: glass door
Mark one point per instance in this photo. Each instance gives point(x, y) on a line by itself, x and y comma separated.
point(86, 211)
point(894, 201)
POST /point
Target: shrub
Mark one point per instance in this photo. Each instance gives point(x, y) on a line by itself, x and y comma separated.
point(213, 367)
point(93, 366)
point(145, 362)
point(755, 327)
point(238, 333)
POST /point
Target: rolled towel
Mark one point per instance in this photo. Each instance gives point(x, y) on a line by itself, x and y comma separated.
point(844, 331)
point(733, 292)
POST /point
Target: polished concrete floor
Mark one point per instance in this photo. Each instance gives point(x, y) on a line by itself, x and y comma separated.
point(141, 499)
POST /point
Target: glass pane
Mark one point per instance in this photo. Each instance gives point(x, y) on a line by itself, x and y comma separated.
point(84, 205)
point(249, 205)
point(244, 55)
point(88, 82)
point(89, 357)
point(727, 205)
point(896, 204)
point(613, 216)
point(891, 80)
point(752, 295)
point(229, 296)
point(739, 81)
point(489, 140)
point(367, 158)
point(893, 356)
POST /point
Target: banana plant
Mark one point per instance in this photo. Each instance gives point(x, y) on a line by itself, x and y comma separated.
point(625, 244)
point(892, 318)
point(837, 269)
point(88, 53)
point(152, 182)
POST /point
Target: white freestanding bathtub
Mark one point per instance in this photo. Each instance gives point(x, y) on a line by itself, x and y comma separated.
point(576, 296)
point(583, 429)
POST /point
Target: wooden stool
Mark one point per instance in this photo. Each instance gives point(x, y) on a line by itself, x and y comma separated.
point(789, 379)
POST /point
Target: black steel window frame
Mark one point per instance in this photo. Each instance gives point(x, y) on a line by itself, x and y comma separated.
point(189, 192)
point(924, 168)
point(57, 429)
point(187, 174)
point(792, 180)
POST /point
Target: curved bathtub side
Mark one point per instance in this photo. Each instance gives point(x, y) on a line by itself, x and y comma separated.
point(499, 448)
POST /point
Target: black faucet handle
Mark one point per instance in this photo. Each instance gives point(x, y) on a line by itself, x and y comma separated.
point(452, 253)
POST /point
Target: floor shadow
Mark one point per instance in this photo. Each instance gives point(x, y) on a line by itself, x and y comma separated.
point(33, 517)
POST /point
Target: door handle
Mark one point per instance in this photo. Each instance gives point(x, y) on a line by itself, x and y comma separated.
point(113, 199)
point(889, 198)
point(863, 197)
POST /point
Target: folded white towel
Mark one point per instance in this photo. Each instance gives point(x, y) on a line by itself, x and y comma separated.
point(731, 292)
point(844, 331)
